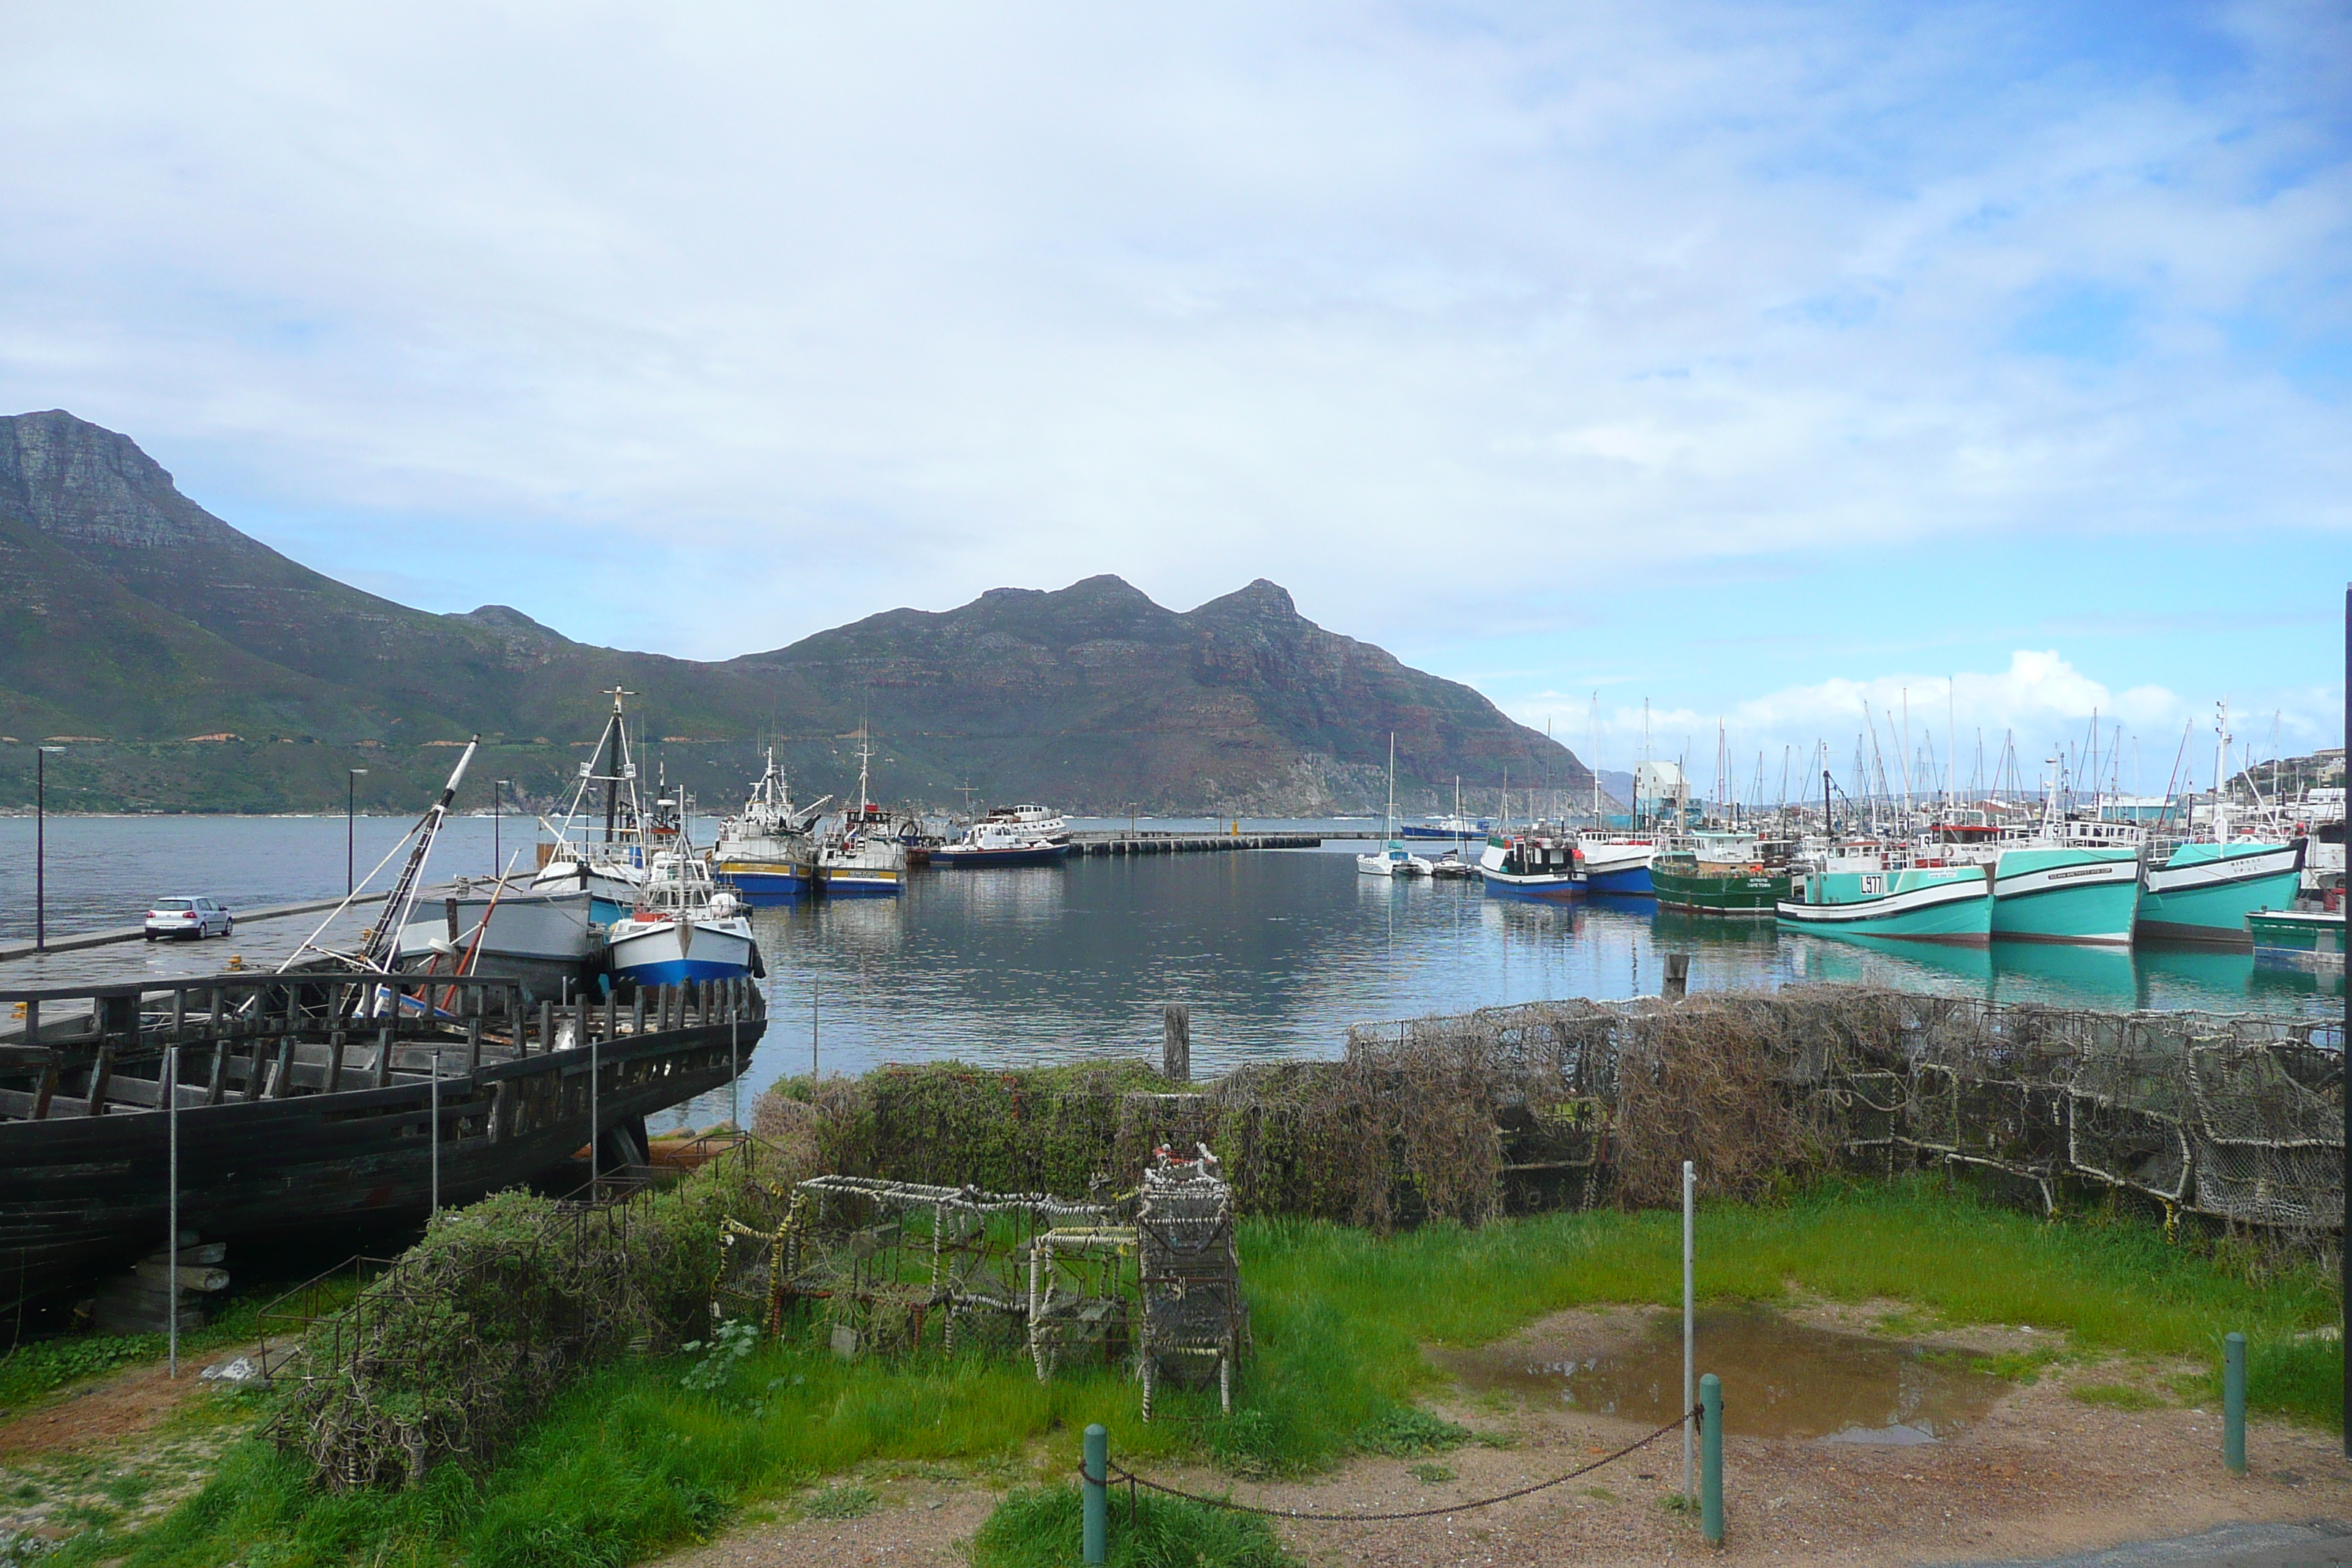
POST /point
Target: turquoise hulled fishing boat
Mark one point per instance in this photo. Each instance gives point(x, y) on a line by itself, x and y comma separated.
point(2065, 892)
point(2203, 892)
point(1910, 903)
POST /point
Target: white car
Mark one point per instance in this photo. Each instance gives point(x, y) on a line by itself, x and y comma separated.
point(195, 918)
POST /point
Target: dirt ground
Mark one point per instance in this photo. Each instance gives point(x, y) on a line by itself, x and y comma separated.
point(113, 1452)
point(2043, 1474)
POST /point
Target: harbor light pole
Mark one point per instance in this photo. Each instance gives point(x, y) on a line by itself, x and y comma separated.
point(498, 804)
point(41, 846)
point(350, 828)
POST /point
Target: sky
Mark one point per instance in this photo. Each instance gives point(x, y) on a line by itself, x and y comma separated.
point(1776, 366)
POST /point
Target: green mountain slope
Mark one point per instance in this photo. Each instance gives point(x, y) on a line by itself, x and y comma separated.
point(133, 614)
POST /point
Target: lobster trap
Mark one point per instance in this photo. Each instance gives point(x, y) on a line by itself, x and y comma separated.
point(1148, 1281)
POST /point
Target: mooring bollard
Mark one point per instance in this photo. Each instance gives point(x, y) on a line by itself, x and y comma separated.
point(1711, 1459)
point(1096, 1471)
point(2233, 1402)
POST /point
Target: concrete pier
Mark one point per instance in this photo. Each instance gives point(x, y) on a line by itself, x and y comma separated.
point(1186, 843)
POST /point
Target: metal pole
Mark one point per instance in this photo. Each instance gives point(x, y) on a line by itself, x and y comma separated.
point(811, 1029)
point(171, 1137)
point(2233, 1402)
point(1094, 1527)
point(1710, 1502)
point(497, 803)
point(351, 832)
point(734, 1072)
point(436, 1136)
point(1690, 1320)
point(592, 1113)
point(2345, 1297)
point(40, 848)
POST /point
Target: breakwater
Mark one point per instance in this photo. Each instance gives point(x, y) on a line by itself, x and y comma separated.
point(1122, 844)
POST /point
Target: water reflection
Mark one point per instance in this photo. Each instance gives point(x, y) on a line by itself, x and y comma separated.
point(1278, 953)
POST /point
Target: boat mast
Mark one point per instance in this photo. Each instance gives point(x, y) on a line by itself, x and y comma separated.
point(384, 946)
point(2220, 771)
point(613, 763)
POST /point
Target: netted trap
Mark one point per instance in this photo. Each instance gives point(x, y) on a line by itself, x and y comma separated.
point(1147, 1281)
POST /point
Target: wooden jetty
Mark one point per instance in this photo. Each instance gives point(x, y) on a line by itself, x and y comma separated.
point(1186, 843)
point(308, 1101)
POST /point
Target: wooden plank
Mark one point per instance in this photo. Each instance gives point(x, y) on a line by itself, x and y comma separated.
point(100, 1075)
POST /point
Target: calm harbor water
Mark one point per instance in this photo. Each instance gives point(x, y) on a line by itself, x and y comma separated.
point(1276, 952)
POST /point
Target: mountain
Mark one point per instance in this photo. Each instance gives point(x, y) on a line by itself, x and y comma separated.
point(199, 668)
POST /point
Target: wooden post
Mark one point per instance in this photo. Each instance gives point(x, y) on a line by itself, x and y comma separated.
point(474, 1044)
point(546, 1026)
point(45, 1092)
point(33, 1022)
point(383, 1056)
point(101, 1075)
point(611, 1014)
point(216, 1081)
point(1176, 1043)
point(336, 1042)
point(638, 1012)
point(1678, 976)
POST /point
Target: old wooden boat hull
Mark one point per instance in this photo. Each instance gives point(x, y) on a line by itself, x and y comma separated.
point(311, 1132)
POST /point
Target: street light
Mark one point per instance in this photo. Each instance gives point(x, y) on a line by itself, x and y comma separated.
point(351, 829)
point(40, 845)
point(498, 800)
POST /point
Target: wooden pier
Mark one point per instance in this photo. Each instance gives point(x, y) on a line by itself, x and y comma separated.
point(1186, 843)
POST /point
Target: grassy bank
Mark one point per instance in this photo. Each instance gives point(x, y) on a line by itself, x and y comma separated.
point(634, 1460)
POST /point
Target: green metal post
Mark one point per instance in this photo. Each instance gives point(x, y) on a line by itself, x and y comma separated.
point(1710, 1461)
point(1098, 1474)
point(2233, 1404)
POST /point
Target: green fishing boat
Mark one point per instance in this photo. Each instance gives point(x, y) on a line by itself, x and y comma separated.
point(1725, 874)
point(2065, 892)
point(2297, 935)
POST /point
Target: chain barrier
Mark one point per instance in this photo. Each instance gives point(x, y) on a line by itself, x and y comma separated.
point(1119, 1473)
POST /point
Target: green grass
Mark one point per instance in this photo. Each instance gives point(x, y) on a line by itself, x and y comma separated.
point(631, 1461)
point(1038, 1528)
point(2116, 1396)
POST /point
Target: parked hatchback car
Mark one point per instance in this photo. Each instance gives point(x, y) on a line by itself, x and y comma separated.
point(195, 918)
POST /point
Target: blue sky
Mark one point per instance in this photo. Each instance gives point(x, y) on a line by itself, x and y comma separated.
point(1759, 361)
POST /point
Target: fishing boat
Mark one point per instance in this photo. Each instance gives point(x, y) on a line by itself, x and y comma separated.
point(1882, 894)
point(767, 852)
point(1616, 863)
point(2059, 880)
point(1531, 865)
point(1392, 859)
point(1739, 875)
point(861, 852)
point(2308, 938)
point(609, 867)
point(545, 941)
point(1026, 835)
point(2202, 891)
point(1454, 825)
point(684, 928)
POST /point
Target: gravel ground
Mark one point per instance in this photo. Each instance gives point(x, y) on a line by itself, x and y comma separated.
point(2044, 1476)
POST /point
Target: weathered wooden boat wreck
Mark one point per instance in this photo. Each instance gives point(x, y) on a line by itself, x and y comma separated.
point(314, 1101)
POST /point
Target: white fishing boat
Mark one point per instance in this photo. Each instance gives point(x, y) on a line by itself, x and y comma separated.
point(547, 941)
point(1392, 859)
point(610, 864)
point(1009, 836)
point(684, 927)
point(767, 851)
point(862, 853)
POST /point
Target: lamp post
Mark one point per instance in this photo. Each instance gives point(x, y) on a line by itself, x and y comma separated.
point(40, 845)
point(351, 827)
point(498, 804)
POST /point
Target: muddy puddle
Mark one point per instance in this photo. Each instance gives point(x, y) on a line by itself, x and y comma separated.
point(1780, 1379)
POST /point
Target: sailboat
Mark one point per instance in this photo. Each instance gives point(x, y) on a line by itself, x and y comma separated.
point(1393, 860)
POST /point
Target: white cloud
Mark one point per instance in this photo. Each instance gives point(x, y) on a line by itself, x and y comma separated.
point(819, 311)
point(2039, 702)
